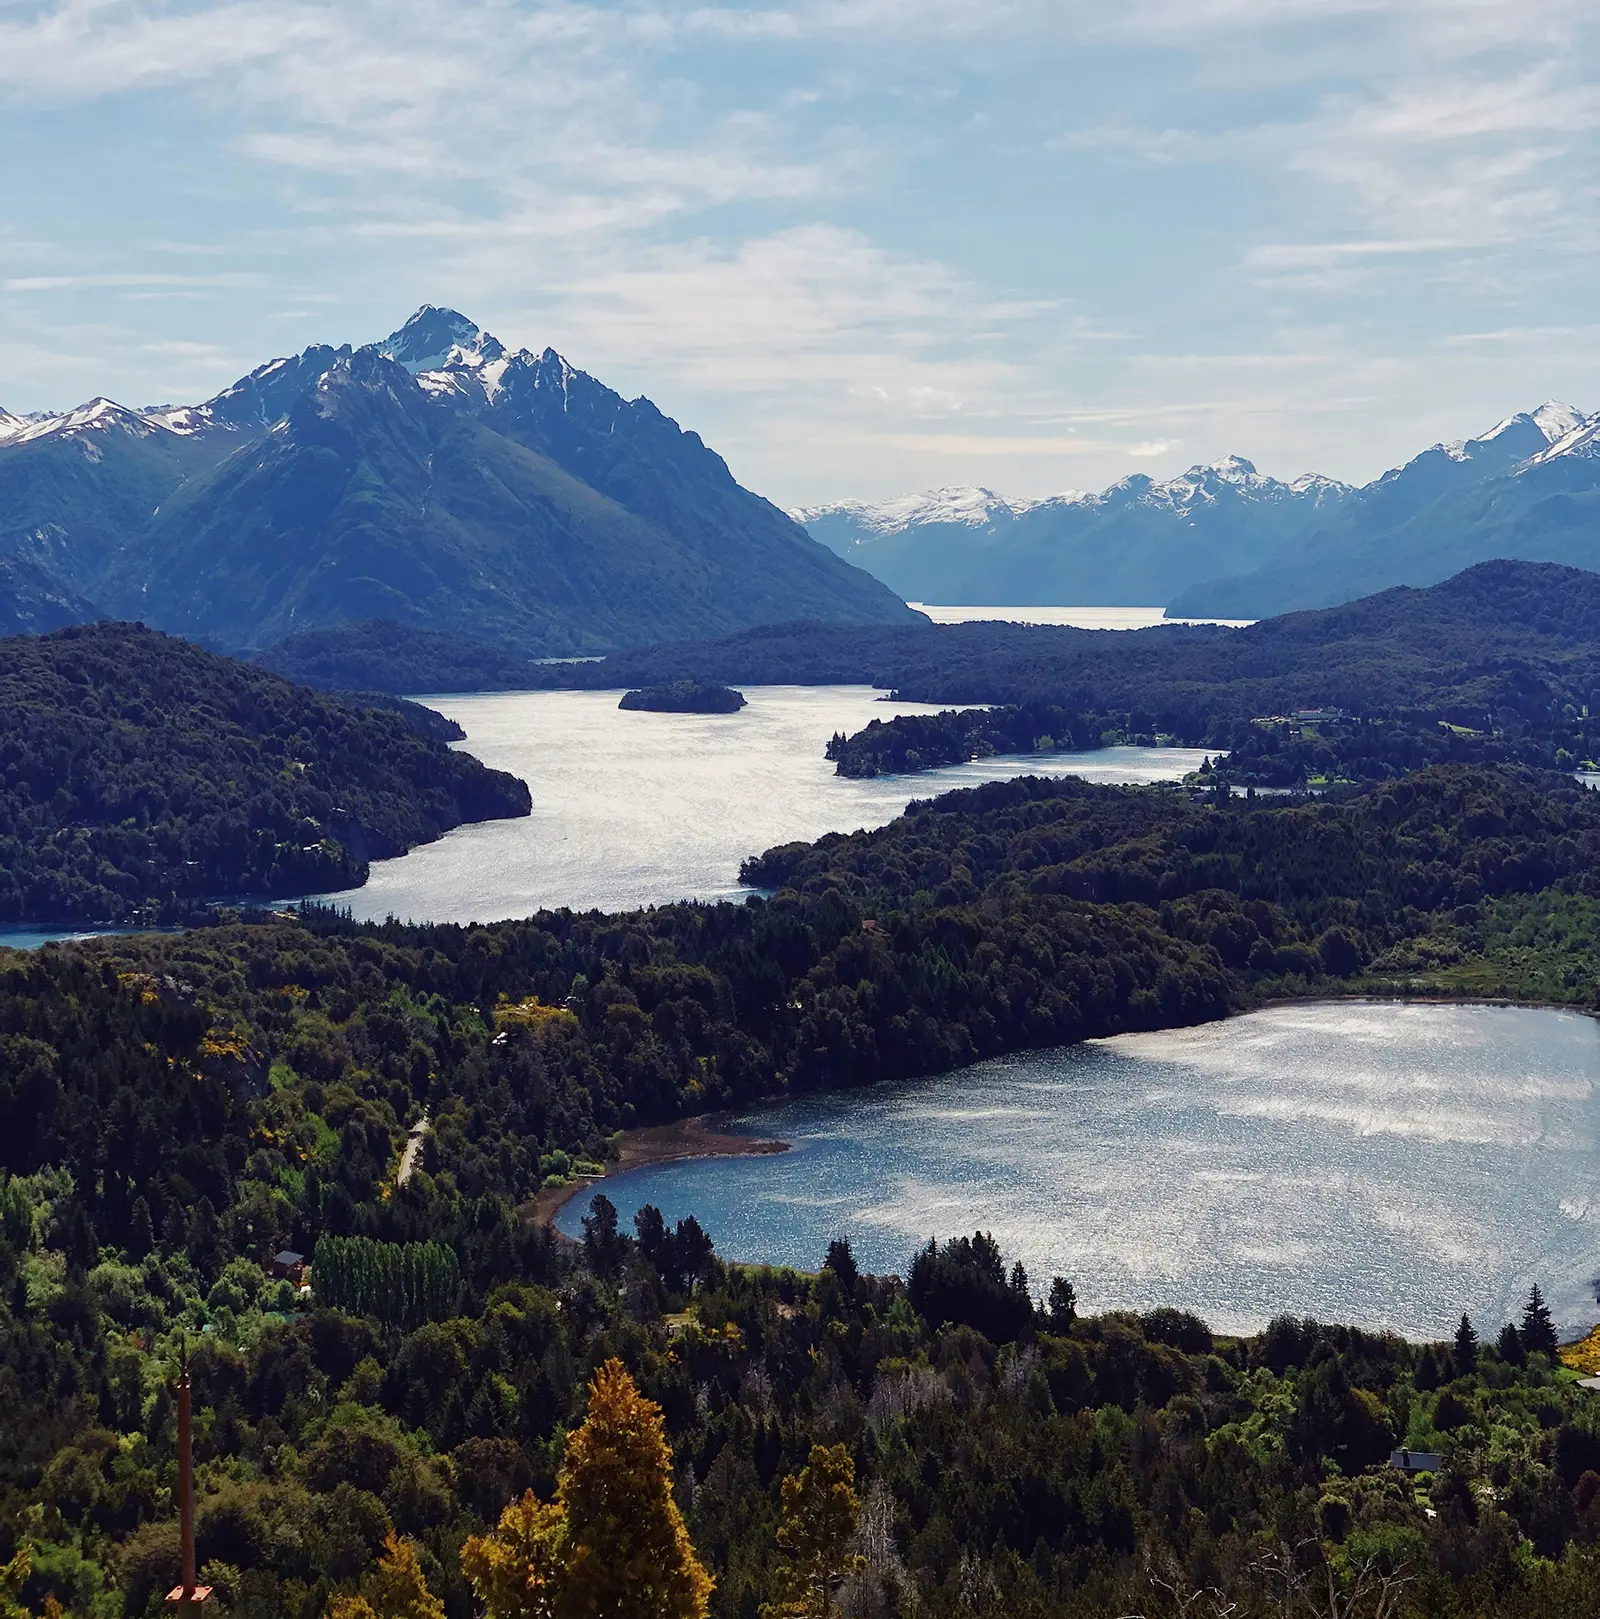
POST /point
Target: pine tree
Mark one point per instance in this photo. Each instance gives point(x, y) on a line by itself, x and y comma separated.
point(1466, 1348)
point(1063, 1304)
point(1538, 1331)
point(820, 1507)
point(1510, 1346)
point(516, 1569)
point(141, 1229)
point(628, 1551)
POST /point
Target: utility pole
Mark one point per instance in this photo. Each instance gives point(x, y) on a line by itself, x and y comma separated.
point(187, 1597)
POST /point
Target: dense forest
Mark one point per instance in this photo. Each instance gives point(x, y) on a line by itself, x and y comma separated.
point(1506, 649)
point(140, 775)
point(176, 1110)
point(1315, 749)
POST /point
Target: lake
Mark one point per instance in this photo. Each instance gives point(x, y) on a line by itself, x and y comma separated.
point(1382, 1164)
point(634, 809)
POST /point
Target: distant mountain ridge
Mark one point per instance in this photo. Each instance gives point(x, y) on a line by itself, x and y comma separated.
point(1226, 541)
point(434, 479)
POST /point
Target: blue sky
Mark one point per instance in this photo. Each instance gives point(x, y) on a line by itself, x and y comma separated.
point(863, 246)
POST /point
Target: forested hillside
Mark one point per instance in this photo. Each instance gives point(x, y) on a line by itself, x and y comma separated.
point(1506, 654)
point(175, 1110)
point(142, 774)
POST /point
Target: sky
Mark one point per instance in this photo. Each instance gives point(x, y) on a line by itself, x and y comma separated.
point(862, 246)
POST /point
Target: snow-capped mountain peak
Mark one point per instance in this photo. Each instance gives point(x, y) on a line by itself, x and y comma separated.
point(966, 505)
point(1557, 421)
point(435, 339)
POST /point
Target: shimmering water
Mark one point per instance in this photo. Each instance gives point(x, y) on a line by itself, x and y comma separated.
point(637, 809)
point(1381, 1164)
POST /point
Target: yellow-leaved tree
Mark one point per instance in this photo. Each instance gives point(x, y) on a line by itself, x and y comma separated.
point(395, 1589)
point(820, 1508)
point(613, 1545)
point(516, 1570)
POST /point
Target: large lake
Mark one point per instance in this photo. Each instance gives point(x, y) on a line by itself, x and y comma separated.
point(635, 809)
point(1375, 1163)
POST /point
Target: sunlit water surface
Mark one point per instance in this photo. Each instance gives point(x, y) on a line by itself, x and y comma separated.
point(1380, 1164)
point(637, 809)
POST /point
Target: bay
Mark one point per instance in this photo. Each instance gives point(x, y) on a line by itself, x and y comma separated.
point(1377, 1163)
point(633, 809)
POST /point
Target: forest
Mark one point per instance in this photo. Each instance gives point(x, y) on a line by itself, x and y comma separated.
point(1504, 649)
point(177, 1109)
point(141, 776)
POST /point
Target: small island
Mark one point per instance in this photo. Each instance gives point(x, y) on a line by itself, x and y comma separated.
point(685, 697)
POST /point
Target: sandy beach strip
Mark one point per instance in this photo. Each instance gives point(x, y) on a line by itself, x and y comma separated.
point(698, 1137)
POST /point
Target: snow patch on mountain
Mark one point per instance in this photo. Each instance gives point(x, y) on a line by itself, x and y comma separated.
point(963, 505)
point(971, 506)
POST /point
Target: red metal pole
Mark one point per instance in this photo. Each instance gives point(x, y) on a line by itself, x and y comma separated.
point(185, 1485)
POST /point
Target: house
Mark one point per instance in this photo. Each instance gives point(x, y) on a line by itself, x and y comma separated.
point(288, 1266)
point(1416, 1461)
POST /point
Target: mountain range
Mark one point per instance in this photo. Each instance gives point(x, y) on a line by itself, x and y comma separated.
point(1226, 541)
point(436, 480)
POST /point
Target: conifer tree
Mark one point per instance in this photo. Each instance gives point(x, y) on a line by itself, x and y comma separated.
point(820, 1507)
point(1466, 1348)
point(628, 1552)
point(1538, 1331)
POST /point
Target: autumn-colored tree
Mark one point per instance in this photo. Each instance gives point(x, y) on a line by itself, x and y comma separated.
point(516, 1569)
point(628, 1552)
point(820, 1507)
point(13, 1576)
point(613, 1545)
point(396, 1588)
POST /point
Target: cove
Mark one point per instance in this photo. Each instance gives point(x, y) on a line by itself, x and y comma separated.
point(1377, 1163)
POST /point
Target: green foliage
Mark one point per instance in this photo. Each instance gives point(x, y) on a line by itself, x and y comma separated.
point(401, 1284)
point(140, 775)
point(1504, 649)
point(685, 697)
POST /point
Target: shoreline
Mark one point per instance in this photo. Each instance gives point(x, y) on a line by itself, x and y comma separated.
point(699, 1136)
point(683, 1139)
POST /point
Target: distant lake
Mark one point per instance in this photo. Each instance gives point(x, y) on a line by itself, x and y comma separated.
point(635, 809)
point(1383, 1164)
point(1077, 618)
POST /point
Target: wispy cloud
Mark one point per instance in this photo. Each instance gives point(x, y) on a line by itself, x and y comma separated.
point(850, 238)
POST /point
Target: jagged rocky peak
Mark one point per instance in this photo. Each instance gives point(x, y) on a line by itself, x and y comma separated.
point(435, 337)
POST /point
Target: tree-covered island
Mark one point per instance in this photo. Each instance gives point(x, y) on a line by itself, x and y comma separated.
point(685, 697)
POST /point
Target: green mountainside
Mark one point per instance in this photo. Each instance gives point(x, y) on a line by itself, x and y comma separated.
point(142, 775)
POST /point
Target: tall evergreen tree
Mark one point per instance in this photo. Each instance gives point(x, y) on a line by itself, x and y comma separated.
point(1538, 1331)
point(1466, 1353)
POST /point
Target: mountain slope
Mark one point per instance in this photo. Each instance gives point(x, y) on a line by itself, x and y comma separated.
point(1223, 541)
point(74, 487)
point(33, 601)
point(139, 772)
point(1529, 490)
point(1130, 544)
point(433, 480)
